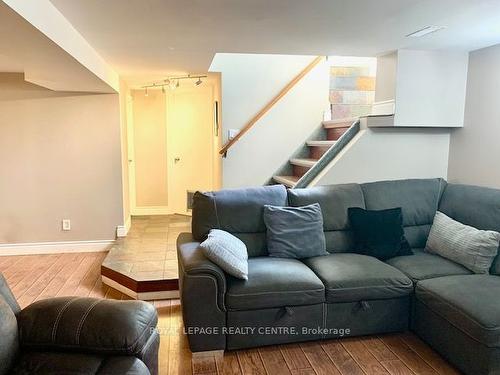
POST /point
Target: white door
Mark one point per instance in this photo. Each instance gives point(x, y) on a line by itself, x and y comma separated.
point(189, 143)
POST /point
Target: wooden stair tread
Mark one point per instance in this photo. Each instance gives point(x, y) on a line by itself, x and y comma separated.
point(339, 123)
point(320, 143)
point(306, 162)
point(289, 181)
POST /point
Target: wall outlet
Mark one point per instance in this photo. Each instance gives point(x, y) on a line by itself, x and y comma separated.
point(66, 224)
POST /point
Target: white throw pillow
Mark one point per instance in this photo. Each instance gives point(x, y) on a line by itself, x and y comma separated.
point(228, 252)
point(472, 248)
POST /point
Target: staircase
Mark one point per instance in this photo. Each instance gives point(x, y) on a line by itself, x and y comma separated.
point(317, 152)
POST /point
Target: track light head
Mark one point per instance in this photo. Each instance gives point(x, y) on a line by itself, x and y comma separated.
point(198, 82)
point(146, 91)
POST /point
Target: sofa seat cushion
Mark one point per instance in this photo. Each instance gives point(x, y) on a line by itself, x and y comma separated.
point(423, 266)
point(274, 282)
point(355, 277)
point(470, 303)
point(42, 363)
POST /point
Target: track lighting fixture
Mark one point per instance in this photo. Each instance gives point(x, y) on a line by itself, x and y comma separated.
point(173, 83)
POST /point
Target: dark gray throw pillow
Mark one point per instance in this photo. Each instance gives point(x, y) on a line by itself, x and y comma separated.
point(295, 232)
point(379, 233)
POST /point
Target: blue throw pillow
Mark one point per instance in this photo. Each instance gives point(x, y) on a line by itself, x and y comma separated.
point(295, 232)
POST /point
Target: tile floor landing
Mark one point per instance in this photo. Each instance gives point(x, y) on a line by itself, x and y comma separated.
point(144, 264)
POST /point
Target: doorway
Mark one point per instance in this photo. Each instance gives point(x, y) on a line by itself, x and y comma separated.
point(173, 147)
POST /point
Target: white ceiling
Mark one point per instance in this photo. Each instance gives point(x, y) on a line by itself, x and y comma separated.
point(24, 49)
point(147, 39)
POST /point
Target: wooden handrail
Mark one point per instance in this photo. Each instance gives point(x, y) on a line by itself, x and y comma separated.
point(269, 105)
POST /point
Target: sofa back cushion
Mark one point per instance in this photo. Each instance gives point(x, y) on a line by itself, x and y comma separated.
point(418, 199)
point(334, 201)
point(237, 211)
point(476, 206)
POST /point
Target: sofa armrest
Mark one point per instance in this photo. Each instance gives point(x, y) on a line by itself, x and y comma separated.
point(192, 262)
point(89, 325)
point(202, 286)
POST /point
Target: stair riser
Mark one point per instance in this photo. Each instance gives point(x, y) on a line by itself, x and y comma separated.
point(335, 133)
point(299, 170)
point(315, 152)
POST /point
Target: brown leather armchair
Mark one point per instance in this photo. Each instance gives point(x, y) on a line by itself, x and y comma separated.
point(69, 335)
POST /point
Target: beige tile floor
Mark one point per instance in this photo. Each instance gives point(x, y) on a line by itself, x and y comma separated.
point(149, 250)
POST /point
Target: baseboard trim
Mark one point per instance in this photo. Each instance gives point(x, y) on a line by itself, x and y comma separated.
point(33, 248)
point(151, 210)
point(122, 230)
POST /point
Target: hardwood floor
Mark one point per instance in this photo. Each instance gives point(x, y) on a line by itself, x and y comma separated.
point(41, 276)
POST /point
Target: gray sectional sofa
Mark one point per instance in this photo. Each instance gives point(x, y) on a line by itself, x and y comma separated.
point(344, 293)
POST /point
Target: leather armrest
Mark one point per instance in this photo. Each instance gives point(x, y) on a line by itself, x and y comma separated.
point(192, 262)
point(202, 287)
point(89, 325)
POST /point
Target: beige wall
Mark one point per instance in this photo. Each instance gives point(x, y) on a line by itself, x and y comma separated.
point(474, 149)
point(60, 158)
point(150, 149)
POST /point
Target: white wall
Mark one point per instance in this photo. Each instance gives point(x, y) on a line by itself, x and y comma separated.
point(390, 154)
point(249, 82)
point(475, 149)
point(385, 86)
point(430, 88)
